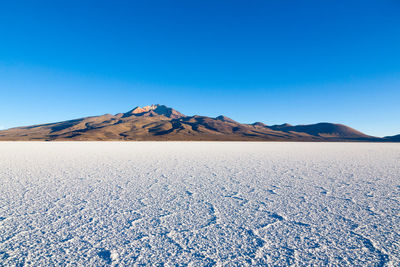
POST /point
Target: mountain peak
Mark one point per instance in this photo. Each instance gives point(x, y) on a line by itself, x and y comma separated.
point(225, 119)
point(281, 126)
point(138, 109)
point(154, 110)
point(259, 124)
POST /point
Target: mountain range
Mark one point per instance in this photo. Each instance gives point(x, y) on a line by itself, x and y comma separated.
point(162, 123)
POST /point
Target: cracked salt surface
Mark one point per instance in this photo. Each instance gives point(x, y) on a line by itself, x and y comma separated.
point(199, 203)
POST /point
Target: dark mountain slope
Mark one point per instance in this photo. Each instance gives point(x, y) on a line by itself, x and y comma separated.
point(395, 138)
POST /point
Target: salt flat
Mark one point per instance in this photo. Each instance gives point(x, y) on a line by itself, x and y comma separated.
point(199, 203)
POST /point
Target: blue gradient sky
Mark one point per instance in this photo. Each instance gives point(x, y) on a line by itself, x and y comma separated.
point(270, 61)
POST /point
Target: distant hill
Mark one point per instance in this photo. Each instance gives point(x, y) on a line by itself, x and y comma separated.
point(323, 129)
point(395, 138)
point(159, 122)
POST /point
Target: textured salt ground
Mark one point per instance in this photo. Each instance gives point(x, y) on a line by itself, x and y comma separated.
point(198, 203)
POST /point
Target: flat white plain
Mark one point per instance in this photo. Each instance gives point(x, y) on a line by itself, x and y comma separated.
point(199, 203)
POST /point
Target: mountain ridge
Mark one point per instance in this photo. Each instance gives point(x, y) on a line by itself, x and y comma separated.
point(162, 123)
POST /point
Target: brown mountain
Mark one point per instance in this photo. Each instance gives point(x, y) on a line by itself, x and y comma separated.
point(323, 129)
point(158, 122)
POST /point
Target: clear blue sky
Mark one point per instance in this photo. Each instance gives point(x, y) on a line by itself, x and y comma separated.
point(273, 61)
